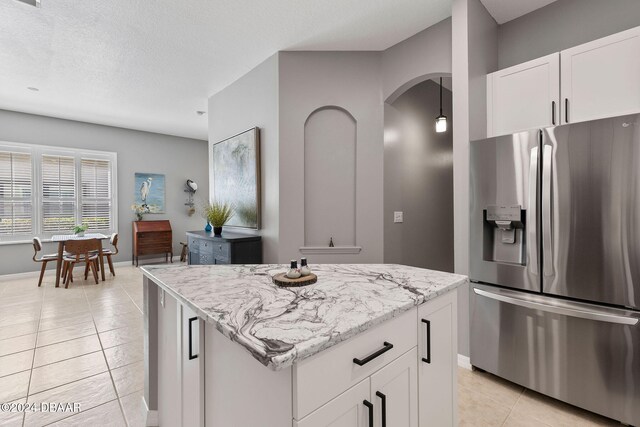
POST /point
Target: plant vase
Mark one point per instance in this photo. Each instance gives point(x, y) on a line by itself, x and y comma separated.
point(217, 231)
point(207, 227)
point(80, 234)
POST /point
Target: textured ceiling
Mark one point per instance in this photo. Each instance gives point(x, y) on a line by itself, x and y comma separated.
point(150, 65)
point(506, 10)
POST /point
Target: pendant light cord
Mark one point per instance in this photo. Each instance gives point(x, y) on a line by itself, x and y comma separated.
point(440, 95)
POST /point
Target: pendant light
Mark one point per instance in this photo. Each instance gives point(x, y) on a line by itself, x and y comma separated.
point(441, 120)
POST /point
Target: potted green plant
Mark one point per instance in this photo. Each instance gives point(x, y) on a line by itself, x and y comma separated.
point(79, 230)
point(139, 210)
point(218, 214)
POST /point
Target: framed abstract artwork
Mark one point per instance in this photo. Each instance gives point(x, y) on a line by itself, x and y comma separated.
point(235, 177)
point(150, 192)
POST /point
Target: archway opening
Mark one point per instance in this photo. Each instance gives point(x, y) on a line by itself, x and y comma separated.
point(418, 175)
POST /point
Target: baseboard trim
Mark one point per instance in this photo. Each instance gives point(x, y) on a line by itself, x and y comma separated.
point(464, 362)
point(151, 419)
point(36, 273)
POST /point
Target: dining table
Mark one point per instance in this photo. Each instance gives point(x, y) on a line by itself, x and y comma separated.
point(63, 238)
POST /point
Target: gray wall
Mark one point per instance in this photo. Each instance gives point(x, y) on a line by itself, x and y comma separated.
point(178, 158)
point(351, 81)
point(415, 59)
point(563, 24)
point(418, 170)
point(474, 55)
point(252, 101)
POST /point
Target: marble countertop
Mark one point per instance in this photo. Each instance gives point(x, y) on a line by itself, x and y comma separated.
point(280, 326)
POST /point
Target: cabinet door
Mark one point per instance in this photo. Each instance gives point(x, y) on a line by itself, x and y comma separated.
point(525, 96)
point(350, 409)
point(169, 396)
point(601, 78)
point(394, 390)
point(437, 361)
point(192, 368)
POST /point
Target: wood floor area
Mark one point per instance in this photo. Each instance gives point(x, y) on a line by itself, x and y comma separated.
point(84, 345)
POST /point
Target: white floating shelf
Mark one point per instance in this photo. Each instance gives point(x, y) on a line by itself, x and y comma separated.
point(330, 250)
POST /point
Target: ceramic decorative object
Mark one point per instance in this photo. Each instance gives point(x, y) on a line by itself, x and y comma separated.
point(217, 231)
point(293, 272)
point(207, 227)
point(304, 268)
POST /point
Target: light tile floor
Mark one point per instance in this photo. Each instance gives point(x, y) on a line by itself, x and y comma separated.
point(84, 344)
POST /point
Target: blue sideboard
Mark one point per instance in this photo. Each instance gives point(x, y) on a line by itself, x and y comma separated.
point(230, 248)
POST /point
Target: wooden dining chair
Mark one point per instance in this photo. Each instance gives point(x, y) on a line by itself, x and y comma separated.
point(108, 253)
point(81, 251)
point(44, 259)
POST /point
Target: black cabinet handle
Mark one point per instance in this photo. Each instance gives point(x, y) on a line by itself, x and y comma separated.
point(566, 110)
point(191, 355)
point(369, 358)
point(553, 112)
point(428, 358)
point(370, 406)
point(383, 398)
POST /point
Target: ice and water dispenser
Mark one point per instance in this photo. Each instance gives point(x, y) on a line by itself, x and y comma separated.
point(504, 234)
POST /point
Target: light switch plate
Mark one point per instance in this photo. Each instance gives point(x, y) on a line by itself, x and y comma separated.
point(398, 217)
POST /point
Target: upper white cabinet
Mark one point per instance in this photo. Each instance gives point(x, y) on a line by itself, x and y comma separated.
point(524, 96)
point(601, 78)
point(592, 81)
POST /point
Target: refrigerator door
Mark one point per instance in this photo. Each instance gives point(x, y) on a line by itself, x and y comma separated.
point(591, 211)
point(581, 353)
point(504, 228)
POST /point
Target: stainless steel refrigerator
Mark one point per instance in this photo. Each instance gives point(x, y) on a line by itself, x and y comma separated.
point(555, 262)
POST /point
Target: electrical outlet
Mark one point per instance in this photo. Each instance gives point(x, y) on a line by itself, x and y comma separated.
point(398, 217)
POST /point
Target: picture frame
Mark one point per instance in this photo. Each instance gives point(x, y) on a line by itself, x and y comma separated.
point(234, 173)
point(150, 192)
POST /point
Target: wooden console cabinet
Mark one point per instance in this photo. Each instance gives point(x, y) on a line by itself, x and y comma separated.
point(152, 237)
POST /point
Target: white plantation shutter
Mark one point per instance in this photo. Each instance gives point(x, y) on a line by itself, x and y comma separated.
point(96, 209)
point(15, 194)
point(58, 193)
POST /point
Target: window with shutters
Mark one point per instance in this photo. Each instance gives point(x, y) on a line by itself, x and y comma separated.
point(95, 209)
point(47, 190)
point(58, 193)
point(16, 182)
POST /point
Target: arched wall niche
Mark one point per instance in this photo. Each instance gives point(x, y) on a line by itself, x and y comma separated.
point(330, 152)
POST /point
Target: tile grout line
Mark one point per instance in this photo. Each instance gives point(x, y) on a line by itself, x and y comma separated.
point(35, 345)
point(514, 405)
point(113, 383)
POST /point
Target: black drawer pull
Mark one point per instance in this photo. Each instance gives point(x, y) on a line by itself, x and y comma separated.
point(370, 406)
point(566, 110)
point(191, 355)
point(369, 358)
point(383, 398)
point(553, 112)
point(428, 358)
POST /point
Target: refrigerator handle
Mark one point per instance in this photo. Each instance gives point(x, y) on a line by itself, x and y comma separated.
point(536, 302)
point(547, 246)
point(532, 212)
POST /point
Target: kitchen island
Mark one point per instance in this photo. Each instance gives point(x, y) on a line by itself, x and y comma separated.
point(368, 343)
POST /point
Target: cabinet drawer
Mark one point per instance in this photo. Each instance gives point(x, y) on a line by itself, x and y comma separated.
point(320, 378)
point(194, 244)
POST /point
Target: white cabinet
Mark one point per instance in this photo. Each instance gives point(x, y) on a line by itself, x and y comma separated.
point(601, 78)
point(180, 364)
point(394, 390)
point(524, 96)
point(437, 361)
point(192, 364)
point(353, 408)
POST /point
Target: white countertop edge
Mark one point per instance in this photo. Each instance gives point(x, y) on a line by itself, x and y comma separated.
point(278, 363)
